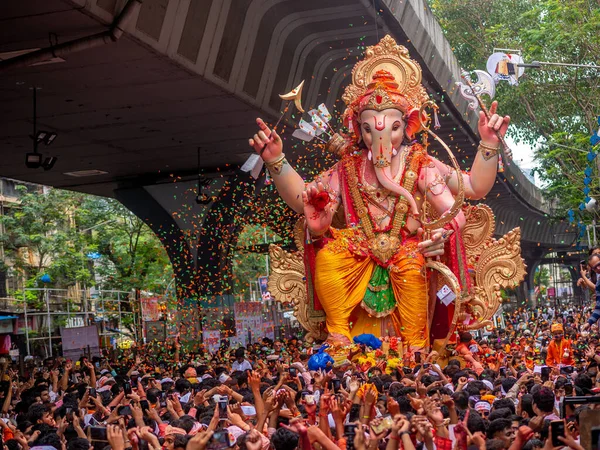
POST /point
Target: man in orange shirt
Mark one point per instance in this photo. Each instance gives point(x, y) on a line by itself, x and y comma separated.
point(559, 350)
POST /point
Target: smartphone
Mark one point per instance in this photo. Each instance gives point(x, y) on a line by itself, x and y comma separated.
point(93, 393)
point(596, 437)
point(134, 380)
point(583, 264)
point(558, 429)
point(97, 434)
point(221, 440)
point(223, 402)
point(124, 410)
point(418, 357)
point(127, 388)
point(503, 372)
point(425, 366)
point(293, 372)
point(336, 385)
point(354, 413)
point(145, 405)
point(349, 433)
point(546, 376)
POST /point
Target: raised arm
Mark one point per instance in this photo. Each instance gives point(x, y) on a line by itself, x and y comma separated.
point(289, 184)
point(480, 179)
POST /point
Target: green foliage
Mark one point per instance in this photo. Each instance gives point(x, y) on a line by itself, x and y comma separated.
point(551, 105)
point(53, 231)
point(541, 279)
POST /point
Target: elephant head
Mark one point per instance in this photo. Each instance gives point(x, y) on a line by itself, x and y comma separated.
point(383, 132)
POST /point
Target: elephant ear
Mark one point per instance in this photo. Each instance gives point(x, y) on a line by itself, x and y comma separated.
point(413, 125)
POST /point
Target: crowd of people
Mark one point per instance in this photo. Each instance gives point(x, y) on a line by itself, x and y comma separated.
point(505, 391)
point(528, 385)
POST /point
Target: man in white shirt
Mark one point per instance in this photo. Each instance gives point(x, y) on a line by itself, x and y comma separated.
point(240, 363)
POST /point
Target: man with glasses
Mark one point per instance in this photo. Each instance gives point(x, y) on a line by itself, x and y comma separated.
point(559, 350)
point(594, 263)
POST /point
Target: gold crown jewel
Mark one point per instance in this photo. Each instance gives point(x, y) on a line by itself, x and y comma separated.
point(385, 78)
point(380, 100)
point(381, 162)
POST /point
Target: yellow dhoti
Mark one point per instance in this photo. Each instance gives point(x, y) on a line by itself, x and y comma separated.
point(342, 278)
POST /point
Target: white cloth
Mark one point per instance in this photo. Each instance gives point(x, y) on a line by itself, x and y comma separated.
point(243, 366)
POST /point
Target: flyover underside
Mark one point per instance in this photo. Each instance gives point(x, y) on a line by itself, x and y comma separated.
point(196, 73)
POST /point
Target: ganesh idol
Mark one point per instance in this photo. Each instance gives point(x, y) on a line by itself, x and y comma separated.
point(364, 215)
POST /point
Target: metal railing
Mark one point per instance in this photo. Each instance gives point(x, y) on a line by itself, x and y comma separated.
point(75, 307)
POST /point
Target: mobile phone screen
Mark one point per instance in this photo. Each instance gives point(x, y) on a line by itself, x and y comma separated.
point(223, 407)
point(125, 410)
point(97, 433)
point(219, 440)
point(545, 373)
point(558, 429)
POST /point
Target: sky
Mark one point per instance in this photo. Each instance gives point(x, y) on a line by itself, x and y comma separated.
point(523, 157)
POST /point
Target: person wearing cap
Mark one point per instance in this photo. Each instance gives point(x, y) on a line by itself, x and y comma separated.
point(559, 350)
point(483, 408)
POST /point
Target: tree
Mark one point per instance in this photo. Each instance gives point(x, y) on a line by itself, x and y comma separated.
point(131, 254)
point(541, 280)
point(39, 233)
point(551, 107)
point(52, 231)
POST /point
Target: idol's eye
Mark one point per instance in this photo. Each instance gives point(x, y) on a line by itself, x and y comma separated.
point(367, 128)
point(396, 126)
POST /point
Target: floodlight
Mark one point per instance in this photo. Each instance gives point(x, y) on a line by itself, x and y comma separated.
point(33, 160)
point(49, 162)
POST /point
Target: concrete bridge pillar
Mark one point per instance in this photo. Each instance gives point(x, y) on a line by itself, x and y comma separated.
point(201, 240)
point(145, 204)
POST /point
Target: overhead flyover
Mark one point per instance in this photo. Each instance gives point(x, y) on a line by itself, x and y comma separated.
point(134, 88)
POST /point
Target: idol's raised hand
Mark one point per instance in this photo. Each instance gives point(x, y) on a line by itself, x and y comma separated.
point(489, 127)
point(267, 139)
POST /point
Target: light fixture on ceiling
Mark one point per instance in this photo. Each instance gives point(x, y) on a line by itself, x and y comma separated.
point(85, 173)
point(47, 137)
point(49, 162)
point(33, 160)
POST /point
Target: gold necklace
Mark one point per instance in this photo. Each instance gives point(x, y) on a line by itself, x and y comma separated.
point(382, 245)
